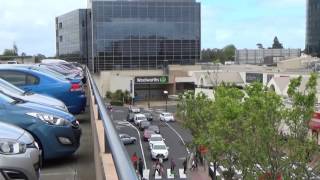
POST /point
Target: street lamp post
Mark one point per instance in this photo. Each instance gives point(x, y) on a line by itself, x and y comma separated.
point(166, 94)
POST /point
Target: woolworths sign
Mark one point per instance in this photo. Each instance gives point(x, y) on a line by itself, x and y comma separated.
point(152, 80)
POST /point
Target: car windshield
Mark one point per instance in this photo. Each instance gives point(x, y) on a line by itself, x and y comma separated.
point(155, 139)
point(9, 87)
point(4, 98)
point(167, 115)
point(141, 118)
point(159, 147)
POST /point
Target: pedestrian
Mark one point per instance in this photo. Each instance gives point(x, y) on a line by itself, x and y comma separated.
point(134, 159)
point(141, 168)
point(193, 164)
point(158, 168)
point(184, 166)
point(173, 165)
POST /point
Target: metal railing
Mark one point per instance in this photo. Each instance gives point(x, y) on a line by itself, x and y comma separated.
point(113, 144)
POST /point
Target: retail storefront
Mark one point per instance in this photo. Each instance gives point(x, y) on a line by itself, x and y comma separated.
point(150, 87)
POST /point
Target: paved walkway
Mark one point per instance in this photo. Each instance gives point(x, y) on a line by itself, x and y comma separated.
point(200, 174)
point(80, 166)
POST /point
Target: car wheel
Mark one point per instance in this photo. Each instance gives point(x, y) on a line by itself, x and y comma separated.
point(134, 141)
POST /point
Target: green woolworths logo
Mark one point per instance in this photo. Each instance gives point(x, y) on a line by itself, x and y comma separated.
point(163, 79)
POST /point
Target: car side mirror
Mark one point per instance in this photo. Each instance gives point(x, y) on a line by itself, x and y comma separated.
point(164, 139)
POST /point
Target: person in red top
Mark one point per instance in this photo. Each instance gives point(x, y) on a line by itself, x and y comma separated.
point(134, 159)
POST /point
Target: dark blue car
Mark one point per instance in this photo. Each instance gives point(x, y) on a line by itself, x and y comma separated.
point(57, 132)
point(33, 79)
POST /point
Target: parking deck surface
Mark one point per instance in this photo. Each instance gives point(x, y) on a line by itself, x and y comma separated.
point(80, 166)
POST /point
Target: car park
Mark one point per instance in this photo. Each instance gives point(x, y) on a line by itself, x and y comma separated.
point(19, 154)
point(57, 132)
point(16, 92)
point(31, 79)
point(144, 125)
point(147, 134)
point(138, 118)
point(130, 117)
point(149, 116)
point(126, 139)
point(155, 138)
point(159, 150)
point(154, 128)
point(167, 117)
point(134, 109)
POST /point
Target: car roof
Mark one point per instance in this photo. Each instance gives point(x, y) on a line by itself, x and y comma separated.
point(123, 134)
point(140, 115)
point(156, 135)
point(159, 143)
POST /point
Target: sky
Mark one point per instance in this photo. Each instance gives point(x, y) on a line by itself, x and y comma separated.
point(31, 23)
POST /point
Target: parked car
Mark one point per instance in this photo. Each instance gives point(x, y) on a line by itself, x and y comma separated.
point(147, 134)
point(130, 117)
point(159, 150)
point(57, 132)
point(154, 128)
point(138, 118)
point(144, 125)
point(74, 74)
point(32, 79)
point(166, 117)
point(126, 139)
point(16, 92)
point(149, 116)
point(19, 154)
point(134, 109)
point(155, 138)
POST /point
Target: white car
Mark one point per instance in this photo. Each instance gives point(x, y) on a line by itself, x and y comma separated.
point(138, 118)
point(159, 150)
point(134, 109)
point(166, 117)
point(155, 138)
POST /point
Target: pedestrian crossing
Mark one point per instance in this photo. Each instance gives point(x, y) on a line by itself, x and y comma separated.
point(147, 174)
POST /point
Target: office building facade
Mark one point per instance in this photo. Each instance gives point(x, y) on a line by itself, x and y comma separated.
point(72, 37)
point(313, 27)
point(142, 34)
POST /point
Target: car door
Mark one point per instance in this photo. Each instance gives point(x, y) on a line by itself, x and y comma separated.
point(126, 139)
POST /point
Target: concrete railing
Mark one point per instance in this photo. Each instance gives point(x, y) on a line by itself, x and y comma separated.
point(111, 158)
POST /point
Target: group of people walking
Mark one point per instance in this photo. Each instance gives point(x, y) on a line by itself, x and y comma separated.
point(159, 168)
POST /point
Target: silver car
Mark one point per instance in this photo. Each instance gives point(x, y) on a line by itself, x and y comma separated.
point(19, 154)
point(15, 92)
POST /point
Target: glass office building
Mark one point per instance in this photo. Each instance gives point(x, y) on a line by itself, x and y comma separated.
point(141, 34)
point(72, 37)
point(313, 27)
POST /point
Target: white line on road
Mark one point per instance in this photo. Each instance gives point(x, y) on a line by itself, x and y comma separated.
point(142, 151)
point(178, 136)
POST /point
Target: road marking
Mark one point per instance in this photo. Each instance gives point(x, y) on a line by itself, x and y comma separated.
point(178, 136)
point(142, 151)
point(169, 175)
point(157, 176)
point(146, 173)
point(182, 174)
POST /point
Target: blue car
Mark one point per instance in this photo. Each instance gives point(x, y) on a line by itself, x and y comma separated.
point(57, 132)
point(32, 79)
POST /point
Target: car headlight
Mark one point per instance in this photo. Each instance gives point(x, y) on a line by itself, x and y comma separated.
point(50, 119)
point(11, 147)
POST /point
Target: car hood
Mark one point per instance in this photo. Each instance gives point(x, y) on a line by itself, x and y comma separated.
point(33, 107)
point(45, 100)
point(8, 131)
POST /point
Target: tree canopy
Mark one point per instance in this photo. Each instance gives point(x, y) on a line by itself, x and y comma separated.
point(276, 43)
point(219, 55)
point(242, 129)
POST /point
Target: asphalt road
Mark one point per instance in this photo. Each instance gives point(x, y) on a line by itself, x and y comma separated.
point(173, 133)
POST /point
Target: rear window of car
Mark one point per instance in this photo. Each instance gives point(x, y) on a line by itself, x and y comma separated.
point(52, 73)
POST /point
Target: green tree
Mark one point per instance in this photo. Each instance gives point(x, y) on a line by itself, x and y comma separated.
point(276, 43)
point(229, 52)
point(8, 52)
point(15, 49)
